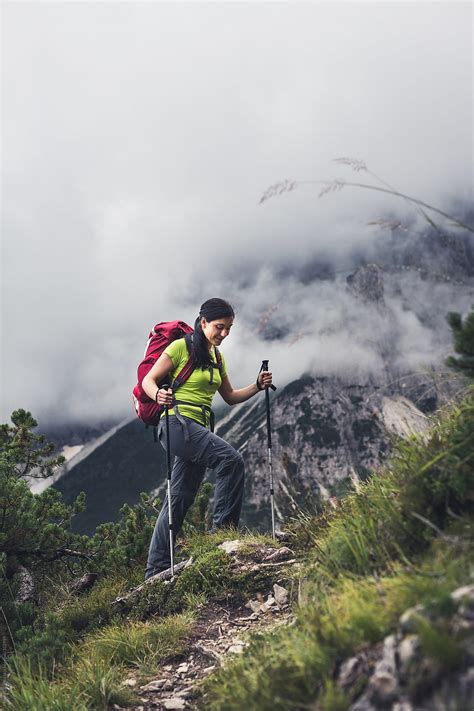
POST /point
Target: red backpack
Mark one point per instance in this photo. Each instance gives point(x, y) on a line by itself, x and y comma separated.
point(159, 338)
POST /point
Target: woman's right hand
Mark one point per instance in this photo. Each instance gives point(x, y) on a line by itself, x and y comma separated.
point(165, 397)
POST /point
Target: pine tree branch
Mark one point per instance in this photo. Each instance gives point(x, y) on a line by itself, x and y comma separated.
point(58, 553)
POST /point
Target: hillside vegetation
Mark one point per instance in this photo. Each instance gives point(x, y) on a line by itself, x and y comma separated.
point(404, 539)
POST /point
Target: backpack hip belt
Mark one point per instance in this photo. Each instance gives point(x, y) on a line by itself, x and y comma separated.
point(204, 410)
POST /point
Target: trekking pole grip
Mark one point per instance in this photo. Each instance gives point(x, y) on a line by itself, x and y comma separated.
point(265, 367)
point(163, 386)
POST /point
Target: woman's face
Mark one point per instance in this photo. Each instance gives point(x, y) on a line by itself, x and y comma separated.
point(216, 331)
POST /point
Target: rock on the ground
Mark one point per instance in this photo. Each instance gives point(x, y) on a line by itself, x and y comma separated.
point(154, 685)
point(407, 622)
point(280, 594)
point(349, 671)
point(253, 605)
point(400, 674)
point(173, 703)
point(231, 546)
point(464, 594)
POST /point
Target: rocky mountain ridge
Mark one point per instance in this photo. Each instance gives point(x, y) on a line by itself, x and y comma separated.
point(327, 437)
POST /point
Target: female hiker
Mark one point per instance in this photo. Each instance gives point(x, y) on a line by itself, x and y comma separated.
point(192, 443)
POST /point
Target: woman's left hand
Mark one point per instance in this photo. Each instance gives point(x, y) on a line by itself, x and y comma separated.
point(265, 379)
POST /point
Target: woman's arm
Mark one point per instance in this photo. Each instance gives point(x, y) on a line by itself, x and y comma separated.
point(162, 367)
point(232, 397)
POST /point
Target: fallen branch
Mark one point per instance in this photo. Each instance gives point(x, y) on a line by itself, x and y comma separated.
point(58, 553)
point(257, 566)
point(164, 576)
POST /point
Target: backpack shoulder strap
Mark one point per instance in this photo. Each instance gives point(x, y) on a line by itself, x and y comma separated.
point(188, 368)
point(219, 360)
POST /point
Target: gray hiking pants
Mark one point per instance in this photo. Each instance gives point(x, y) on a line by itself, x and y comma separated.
point(192, 457)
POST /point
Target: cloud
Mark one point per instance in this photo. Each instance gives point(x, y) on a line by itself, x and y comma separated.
point(138, 140)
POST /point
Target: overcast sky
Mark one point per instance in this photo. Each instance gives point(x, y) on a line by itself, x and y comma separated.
point(138, 139)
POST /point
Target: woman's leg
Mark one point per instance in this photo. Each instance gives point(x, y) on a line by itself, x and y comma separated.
point(186, 478)
point(229, 466)
point(203, 449)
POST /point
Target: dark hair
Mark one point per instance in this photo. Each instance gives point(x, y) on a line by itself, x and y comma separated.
point(212, 309)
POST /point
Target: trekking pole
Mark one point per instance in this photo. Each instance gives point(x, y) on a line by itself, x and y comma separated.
point(170, 511)
point(269, 440)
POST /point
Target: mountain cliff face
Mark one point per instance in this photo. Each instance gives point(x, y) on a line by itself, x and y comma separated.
point(120, 464)
point(327, 435)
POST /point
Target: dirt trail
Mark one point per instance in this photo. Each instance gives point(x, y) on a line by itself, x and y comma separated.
point(220, 631)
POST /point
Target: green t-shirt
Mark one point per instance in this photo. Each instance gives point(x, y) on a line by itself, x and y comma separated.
point(198, 387)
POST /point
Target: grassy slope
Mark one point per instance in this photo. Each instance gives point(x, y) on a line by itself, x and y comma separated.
point(404, 539)
point(362, 565)
point(86, 646)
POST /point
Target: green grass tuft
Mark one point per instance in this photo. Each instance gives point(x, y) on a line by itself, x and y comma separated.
point(30, 688)
point(87, 612)
point(333, 698)
point(94, 674)
point(137, 643)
